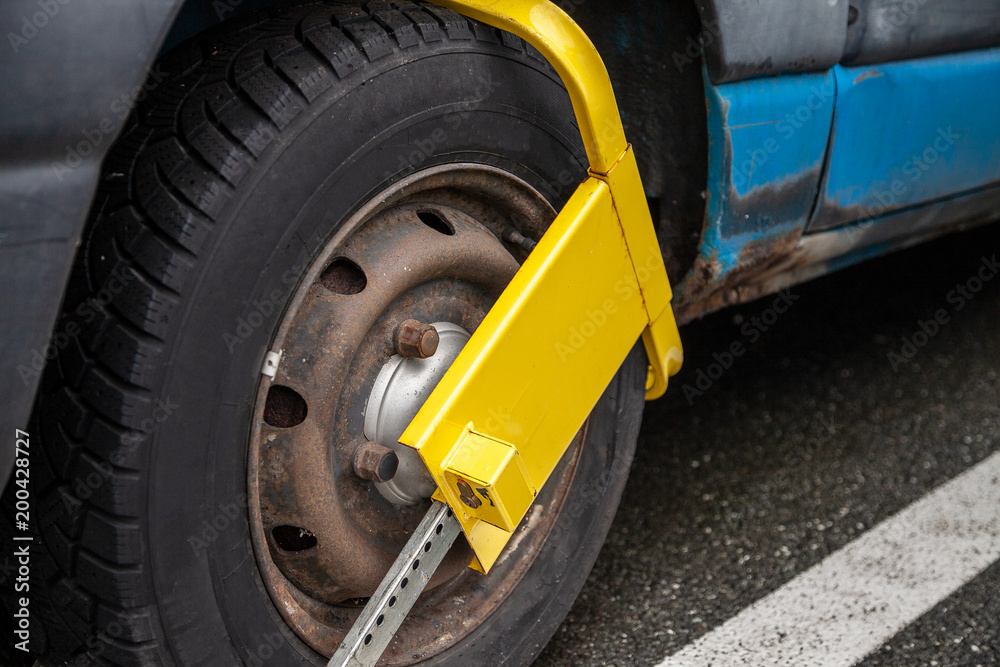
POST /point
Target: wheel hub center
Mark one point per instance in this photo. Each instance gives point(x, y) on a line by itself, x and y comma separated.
point(402, 386)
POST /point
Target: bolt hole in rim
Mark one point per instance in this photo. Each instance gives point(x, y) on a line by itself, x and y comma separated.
point(462, 265)
point(284, 407)
point(293, 538)
point(436, 222)
point(343, 276)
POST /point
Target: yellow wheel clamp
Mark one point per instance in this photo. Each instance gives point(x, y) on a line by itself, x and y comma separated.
point(501, 418)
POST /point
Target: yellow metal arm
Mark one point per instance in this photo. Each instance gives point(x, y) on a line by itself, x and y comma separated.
point(497, 424)
point(569, 50)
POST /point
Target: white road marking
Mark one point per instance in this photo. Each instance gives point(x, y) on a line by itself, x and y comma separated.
point(848, 605)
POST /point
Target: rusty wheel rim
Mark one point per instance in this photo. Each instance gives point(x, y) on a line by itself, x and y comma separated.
point(428, 248)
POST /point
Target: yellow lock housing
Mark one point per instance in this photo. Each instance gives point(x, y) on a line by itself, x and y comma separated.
point(490, 479)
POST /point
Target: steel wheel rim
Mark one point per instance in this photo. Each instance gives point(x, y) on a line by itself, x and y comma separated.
point(477, 203)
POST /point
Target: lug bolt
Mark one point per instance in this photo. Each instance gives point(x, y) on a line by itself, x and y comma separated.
point(375, 462)
point(416, 339)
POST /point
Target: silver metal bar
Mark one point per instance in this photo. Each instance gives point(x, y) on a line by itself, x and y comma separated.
point(399, 590)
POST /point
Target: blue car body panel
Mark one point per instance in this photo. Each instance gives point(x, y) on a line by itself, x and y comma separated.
point(767, 145)
point(847, 148)
point(767, 141)
point(911, 132)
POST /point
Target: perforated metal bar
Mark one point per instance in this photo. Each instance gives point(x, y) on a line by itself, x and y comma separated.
point(399, 590)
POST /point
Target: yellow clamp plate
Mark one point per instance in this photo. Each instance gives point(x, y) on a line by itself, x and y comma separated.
point(503, 415)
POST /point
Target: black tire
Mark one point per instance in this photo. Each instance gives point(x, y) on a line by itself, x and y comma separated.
point(263, 135)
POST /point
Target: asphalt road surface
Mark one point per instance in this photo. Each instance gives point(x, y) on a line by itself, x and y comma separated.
point(875, 386)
